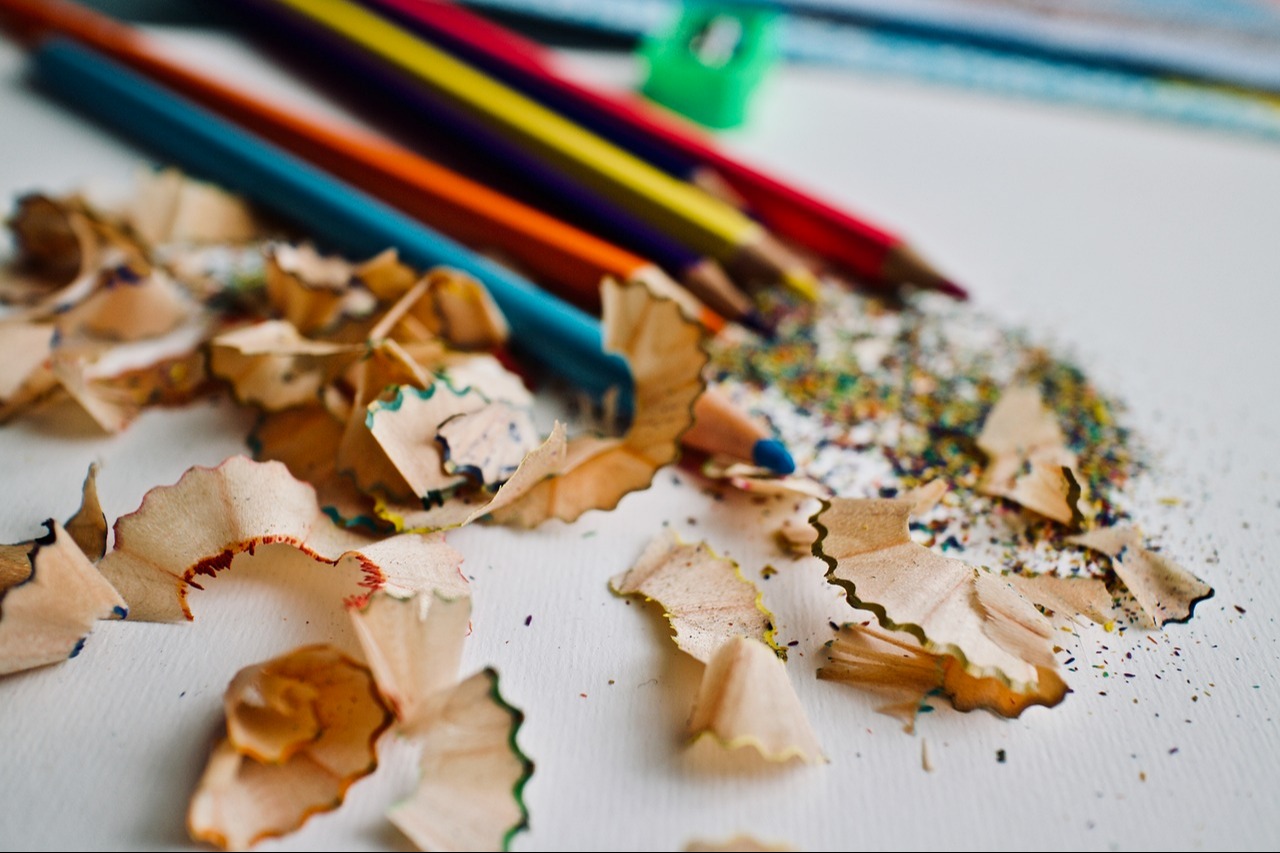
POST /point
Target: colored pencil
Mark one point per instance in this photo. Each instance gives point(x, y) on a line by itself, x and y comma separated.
point(164, 121)
point(705, 224)
point(555, 334)
point(865, 249)
point(568, 260)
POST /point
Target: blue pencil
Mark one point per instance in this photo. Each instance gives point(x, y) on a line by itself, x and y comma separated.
point(558, 336)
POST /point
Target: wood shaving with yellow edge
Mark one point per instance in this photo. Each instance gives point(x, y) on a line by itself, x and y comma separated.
point(703, 595)
point(746, 699)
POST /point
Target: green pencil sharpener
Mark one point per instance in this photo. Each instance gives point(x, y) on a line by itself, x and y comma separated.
point(710, 64)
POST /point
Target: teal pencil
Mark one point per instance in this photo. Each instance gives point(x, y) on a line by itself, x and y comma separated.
point(553, 333)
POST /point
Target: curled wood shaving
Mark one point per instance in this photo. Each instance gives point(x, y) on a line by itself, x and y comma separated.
point(301, 728)
point(311, 291)
point(306, 440)
point(704, 596)
point(128, 303)
point(470, 795)
point(953, 608)
point(489, 444)
point(544, 461)
point(88, 527)
point(360, 456)
point(272, 366)
point(1029, 460)
point(894, 664)
point(198, 525)
point(414, 647)
point(169, 207)
point(1068, 597)
point(746, 699)
point(26, 350)
point(50, 596)
point(664, 351)
point(449, 305)
point(1165, 591)
point(384, 276)
point(762, 481)
point(406, 427)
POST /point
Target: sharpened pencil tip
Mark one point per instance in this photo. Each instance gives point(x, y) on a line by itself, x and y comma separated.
point(802, 282)
point(772, 454)
point(950, 288)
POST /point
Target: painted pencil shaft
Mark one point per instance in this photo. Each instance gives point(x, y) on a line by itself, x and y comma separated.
point(122, 39)
point(558, 253)
point(558, 336)
point(705, 224)
point(672, 146)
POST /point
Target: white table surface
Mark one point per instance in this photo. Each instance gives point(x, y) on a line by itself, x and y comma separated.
point(1150, 252)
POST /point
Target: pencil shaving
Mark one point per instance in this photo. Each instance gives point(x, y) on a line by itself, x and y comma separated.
point(445, 306)
point(55, 241)
point(459, 309)
point(26, 376)
point(953, 608)
point(746, 699)
point(470, 792)
point(359, 455)
point(664, 352)
point(1165, 591)
point(312, 291)
point(110, 407)
point(128, 304)
point(545, 461)
point(385, 276)
point(1070, 598)
point(196, 527)
point(1029, 462)
point(894, 664)
point(484, 373)
point(50, 596)
point(88, 527)
point(488, 444)
point(306, 440)
point(301, 728)
point(169, 207)
point(472, 772)
point(704, 596)
point(406, 428)
point(414, 647)
point(62, 243)
point(271, 366)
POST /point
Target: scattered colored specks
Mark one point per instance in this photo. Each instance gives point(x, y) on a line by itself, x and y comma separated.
point(874, 398)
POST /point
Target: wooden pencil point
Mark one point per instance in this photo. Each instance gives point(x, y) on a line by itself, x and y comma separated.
point(903, 265)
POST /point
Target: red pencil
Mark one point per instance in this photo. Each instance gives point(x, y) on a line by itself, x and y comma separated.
point(836, 235)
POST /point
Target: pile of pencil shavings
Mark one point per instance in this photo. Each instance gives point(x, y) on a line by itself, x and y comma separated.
point(385, 389)
point(386, 417)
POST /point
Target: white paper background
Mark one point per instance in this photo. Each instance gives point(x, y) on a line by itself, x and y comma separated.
point(1150, 253)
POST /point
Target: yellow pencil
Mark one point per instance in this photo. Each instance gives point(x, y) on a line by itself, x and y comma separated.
point(706, 224)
